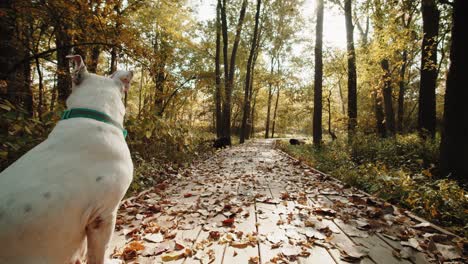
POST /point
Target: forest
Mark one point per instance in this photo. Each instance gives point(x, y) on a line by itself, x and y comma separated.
point(375, 90)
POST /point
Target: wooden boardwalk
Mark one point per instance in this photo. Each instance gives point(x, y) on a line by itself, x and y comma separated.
point(254, 204)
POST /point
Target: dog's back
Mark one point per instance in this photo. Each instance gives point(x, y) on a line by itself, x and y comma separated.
point(68, 188)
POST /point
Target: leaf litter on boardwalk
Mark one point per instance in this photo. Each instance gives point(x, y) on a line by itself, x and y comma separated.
point(151, 221)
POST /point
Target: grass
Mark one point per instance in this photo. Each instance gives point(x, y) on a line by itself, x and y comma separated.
point(399, 170)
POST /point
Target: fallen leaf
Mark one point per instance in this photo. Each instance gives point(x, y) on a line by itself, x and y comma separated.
point(448, 252)
point(412, 242)
point(214, 235)
point(228, 222)
point(155, 238)
point(254, 260)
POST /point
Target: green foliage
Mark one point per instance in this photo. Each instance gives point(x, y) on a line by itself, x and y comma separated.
point(406, 152)
point(397, 170)
point(20, 132)
point(158, 146)
point(162, 139)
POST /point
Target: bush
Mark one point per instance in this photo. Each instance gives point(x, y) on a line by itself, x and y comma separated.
point(19, 132)
point(398, 170)
point(159, 147)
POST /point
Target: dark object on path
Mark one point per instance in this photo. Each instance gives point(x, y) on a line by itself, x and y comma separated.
point(221, 143)
point(294, 141)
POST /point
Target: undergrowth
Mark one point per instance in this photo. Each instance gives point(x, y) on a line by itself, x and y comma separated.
point(159, 147)
point(399, 170)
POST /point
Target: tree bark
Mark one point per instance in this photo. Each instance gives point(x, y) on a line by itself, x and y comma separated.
point(317, 120)
point(352, 79)
point(387, 97)
point(427, 103)
point(218, 114)
point(401, 92)
point(330, 132)
point(63, 42)
point(379, 115)
point(40, 104)
point(274, 112)
point(270, 98)
point(232, 65)
point(14, 71)
point(94, 60)
point(250, 69)
point(252, 116)
point(454, 145)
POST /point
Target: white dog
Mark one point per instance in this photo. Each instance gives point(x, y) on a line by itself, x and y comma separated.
point(66, 190)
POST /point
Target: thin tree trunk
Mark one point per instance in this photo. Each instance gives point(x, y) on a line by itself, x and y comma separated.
point(317, 121)
point(270, 98)
point(352, 79)
point(387, 97)
point(275, 112)
point(340, 90)
point(252, 117)
point(232, 65)
point(41, 89)
point(218, 106)
point(379, 115)
point(250, 68)
point(63, 41)
point(427, 100)
point(92, 66)
point(454, 145)
point(140, 92)
point(53, 97)
point(113, 62)
point(401, 92)
point(330, 132)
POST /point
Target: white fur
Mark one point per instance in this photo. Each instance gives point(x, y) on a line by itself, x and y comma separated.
point(67, 189)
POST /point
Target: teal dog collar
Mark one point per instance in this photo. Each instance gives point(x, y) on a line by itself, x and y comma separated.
point(92, 114)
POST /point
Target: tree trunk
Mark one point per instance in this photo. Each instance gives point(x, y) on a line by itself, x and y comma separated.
point(454, 145)
point(53, 96)
point(401, 92)
point(113, 61)
point(252, 117)
point(270, 98)
point(352, 79)
point(427, 103)
point(140, 92)
point(63, 42)
point(250, 68)
point(317, 121)
point(218, 114)
point(14, 79)
point(94, 60)
point(40, 104)
point(160, 74)
point(330, 132)
point(340, 91)
point(232, 65)
point(379, 115)
point(274, 112)
point(387, 97)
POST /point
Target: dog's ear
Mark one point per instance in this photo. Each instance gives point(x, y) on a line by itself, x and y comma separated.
point(79, 71)
point(124, 78)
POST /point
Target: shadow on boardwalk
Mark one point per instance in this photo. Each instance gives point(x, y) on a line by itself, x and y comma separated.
point(254, 204)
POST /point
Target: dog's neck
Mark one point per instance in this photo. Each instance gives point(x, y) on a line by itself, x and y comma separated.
point(99, 94)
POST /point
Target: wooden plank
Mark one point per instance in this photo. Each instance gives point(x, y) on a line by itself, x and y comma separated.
point(247, 226)
point(317, 254)
point(378, 250)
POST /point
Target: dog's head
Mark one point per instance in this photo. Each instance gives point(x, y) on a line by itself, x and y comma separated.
point(81, 77)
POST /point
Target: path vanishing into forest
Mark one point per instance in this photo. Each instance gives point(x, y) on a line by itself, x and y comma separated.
point(254, 204)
